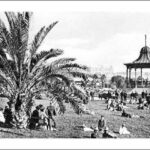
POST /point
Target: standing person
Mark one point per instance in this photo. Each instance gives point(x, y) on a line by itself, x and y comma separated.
point(116, 94)
point(143, 94)
point(101, 123)
point(34, 118)
point(51, 112)
point(136, 96)
point(125, 96)
point(100, 95)
point(122, 96)
point(109, 104)
point(146, 94)
point(109, 95)
point(92, 95)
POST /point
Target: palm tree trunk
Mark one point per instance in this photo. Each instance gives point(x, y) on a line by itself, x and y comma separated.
point(19, 117)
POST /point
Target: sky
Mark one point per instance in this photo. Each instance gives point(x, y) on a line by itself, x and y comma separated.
point(95, 38)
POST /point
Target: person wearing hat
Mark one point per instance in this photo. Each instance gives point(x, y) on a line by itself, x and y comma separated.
point(34, 118)
point(95, 133)
point(43, 118)
point(125, 114)
point(101, 123)
point(123, 130)
point(108, 134)
point(51, 112)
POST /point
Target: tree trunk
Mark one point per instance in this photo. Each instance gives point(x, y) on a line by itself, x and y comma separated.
point(18, 117)
point(21, 118)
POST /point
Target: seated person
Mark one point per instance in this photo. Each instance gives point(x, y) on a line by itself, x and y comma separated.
point(101, 123)
point(2, 119)
point(141, 106)
point(95, 134)
point(109, 103)
point(8, 115)
point(123, 130)
point(43, 118)
point(124, 114)
point(34, 118)
point(108, 134)
point(140, 100)
point(120, 107)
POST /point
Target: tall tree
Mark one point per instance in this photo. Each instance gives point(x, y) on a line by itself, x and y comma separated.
point(22, 69)
point(119, 81)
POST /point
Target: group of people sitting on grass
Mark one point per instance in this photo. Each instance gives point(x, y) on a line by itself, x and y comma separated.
point(143, 103)
point(104, 130)
point(128, 115)
point(115, 105)
point(41, 118)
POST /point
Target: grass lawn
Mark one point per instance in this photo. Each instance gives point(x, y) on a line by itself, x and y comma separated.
point(139, 127)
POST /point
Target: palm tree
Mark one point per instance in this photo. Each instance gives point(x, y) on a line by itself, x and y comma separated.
point(22, 69)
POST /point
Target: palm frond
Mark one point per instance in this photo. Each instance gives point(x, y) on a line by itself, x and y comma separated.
point(40, 37)
point(43, 56)
point(75, 105)
point(74, 65)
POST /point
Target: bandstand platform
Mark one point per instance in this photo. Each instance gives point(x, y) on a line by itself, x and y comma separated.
point(142, 62)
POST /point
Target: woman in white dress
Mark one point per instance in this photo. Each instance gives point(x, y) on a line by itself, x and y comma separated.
point(2, 118)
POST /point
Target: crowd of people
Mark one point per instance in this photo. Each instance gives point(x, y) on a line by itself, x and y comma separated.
point(41, 117)
point(105, 131)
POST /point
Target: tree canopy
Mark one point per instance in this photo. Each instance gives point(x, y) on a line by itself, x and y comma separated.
point(23, 69)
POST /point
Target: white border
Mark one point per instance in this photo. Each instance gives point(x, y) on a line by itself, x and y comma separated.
point(66, 6)
point(82, 6)
point(74, 144)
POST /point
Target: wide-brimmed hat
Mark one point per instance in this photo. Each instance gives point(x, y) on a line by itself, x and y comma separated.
point(42, 107)
point(37, 107)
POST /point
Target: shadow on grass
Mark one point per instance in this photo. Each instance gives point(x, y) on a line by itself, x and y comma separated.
point(11, 132)
point(116, 132)
point(86, 137)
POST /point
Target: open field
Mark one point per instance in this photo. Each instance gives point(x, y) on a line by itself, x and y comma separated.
point(139, 127)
